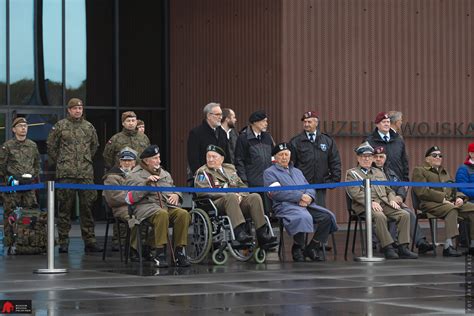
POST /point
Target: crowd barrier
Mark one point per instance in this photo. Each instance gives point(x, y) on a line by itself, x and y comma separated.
point(51, 186)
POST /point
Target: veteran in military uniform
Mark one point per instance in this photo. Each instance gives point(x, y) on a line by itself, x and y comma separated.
point(19, 164)
point(128, 137)
point(384, 204)
point(446, 203)
point(159, 208)
point(216, 174)
point(72, 144)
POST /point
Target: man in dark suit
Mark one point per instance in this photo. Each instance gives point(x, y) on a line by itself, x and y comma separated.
point(228, 124)
point(209, 132)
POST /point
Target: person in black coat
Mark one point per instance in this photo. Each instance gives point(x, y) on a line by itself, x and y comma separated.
point(393, 144)
point(209, 132)
point(228, 125)
point(316, 155)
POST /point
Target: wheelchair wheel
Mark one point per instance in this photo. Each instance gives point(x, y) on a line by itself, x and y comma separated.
point(244, 253)
point(201, 236)
point(219, 257)
point(260, 255)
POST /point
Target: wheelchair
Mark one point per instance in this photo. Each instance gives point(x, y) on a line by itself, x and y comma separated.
point(213, 232)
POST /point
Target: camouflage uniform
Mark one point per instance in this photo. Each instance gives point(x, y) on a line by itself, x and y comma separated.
point(71, 145)
point(125, 138)
point(17, 158)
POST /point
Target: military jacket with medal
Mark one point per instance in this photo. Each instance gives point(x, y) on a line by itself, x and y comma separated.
point(225, 177)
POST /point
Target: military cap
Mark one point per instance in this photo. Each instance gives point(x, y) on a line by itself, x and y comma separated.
point(216, 149)
point(309, 114)
point(126, 115)
point(432, 149)
point(140, 123)
point(364, 148)
point(127, 153)
point(150, 151)
point(74, 102)
point(470, 148)
point(380, 117)
point(257, 116)
point(379, 150)
point(19, 120)
point(280, 147)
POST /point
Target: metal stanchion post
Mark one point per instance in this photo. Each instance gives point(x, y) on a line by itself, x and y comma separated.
point(368, 225)
point(50, 249)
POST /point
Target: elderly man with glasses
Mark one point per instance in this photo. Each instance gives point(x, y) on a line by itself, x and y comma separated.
point(446, 203)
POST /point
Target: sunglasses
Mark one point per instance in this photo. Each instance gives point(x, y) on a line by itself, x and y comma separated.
point(436, 155)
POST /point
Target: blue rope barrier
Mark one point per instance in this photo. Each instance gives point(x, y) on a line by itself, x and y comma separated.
point(74, 186)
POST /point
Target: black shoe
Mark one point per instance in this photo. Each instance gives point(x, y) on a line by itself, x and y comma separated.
point(63, 249)
point(424, 247)
point(390, 253)
point(264, 239)
point(92, 248)
point(181, 258)
point(451, 252)
point(311, 251)
point(298, 253)
point(404, 253)
point(160, 258)
point(134, 255)
point(241, 235)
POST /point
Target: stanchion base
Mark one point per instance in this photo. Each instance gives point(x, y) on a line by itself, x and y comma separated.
point(367, 259)
point(50, 271)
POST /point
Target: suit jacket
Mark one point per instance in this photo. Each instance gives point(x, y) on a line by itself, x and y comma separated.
point(212, 178)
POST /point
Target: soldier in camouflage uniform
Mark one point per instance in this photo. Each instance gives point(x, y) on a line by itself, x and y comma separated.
point(18, 156)
point(128, 137)
point(72, 144)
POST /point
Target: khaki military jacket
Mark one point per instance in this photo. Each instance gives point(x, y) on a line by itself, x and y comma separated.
point(432, 198)
point(210, 178)
point(125, 138)
point(380, 193)
point(114, 198)
point(19, 157)
point(147, 203)
point(72, 145)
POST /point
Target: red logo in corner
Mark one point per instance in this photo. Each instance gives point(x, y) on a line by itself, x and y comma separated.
point(8, 307)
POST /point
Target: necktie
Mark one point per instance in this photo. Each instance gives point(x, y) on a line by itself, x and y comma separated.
point(216, 132)
point(385, 138)
point(311, 137)
point(259, 137)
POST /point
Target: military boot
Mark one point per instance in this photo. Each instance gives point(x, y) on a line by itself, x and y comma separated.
point(404, 253)
point(181, 258)
point(160, 259)
point(264, 239)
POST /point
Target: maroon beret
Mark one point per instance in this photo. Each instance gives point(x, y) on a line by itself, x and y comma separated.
point(379, 150)
point(309, 114)
point(380, 117)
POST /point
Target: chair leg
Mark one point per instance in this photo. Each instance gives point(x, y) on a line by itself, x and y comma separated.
point(362, 239)
point(354, 237)
point(139, 239)
point(281, 247)
point(334, 244)
point(414, 234)
point(119, 233)
point(127, 244)
point(433, 233)
point(347, 238)
point(105, 240)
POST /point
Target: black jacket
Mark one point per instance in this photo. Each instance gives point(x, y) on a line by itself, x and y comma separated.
point(232, 143)
point(319, 161)
point(198, 140)
point(392, 176)
point(397, 158)
point(253, 156)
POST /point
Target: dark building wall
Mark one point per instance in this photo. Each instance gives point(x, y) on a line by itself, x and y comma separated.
point(348, 60)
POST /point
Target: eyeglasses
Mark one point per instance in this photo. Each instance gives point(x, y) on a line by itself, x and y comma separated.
point(217, 114)
point(436, 155)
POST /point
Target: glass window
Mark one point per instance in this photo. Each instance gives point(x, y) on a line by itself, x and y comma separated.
point(76, 48)
point(21, 51)
point(3, 52)
point(52, 44)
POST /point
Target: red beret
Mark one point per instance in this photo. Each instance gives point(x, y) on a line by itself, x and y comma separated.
point(379, 150)
point(380, 117)
point(309, 114)
point(470, 148)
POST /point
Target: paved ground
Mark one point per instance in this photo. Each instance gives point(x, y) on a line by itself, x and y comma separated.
point(93, 287)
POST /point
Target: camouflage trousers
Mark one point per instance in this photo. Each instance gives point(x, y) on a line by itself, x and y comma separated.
point(10, 202)
point(66, 202)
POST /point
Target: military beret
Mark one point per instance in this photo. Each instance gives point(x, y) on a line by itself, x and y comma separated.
point(19, 120)
point(257, 116)
point(127, 153)
point(432, 149)
point(74, 102)
point(364, 148)
point(140, 123)
point(470, 148)
point(150, 151)
point(309, 114)
point(126, 115)
point(216, 149)
point(380, 117)
point(280, 147)
point(379, 150)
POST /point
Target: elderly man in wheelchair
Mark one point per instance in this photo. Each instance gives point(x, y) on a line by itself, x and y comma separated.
point(236, 206)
